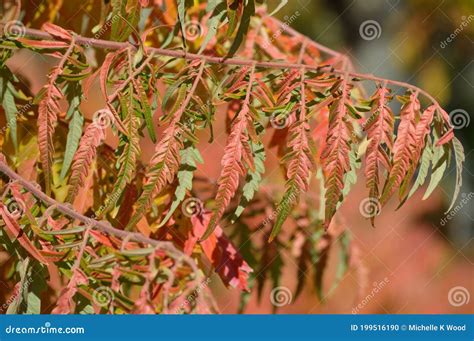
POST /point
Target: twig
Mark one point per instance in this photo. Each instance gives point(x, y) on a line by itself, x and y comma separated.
point(99, 225)
point(106, 44)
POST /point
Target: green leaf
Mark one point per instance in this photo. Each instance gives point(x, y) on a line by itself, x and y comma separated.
point(424, 167)
point(439, 165)
point(350, 177)
point(128, 157)
point(249, 11)
point(284, 209)
point(170, 91)
point(218, 15)
point(344, 258)
point(253, 179)
point(460, 158)
point(72, 143)
point(137, 252)
point(189, 156)
point(11, 112)
point(147, 114)
point(34, 303)
point(15, 305)
point(72, 230)
point(182, 18)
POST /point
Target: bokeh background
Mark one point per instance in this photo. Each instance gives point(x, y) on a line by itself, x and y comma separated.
point(413, 261)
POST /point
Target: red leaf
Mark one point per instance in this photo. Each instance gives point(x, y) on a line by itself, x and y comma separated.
point(65, 304)
point(56, 31)
point(446, 138)
point(14, 231)
point(225, 258)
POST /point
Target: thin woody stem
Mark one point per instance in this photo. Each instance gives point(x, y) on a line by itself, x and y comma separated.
point(112, 45)
point(91, 223)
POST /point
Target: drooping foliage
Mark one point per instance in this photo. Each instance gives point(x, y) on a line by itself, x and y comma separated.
point(116, 208)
